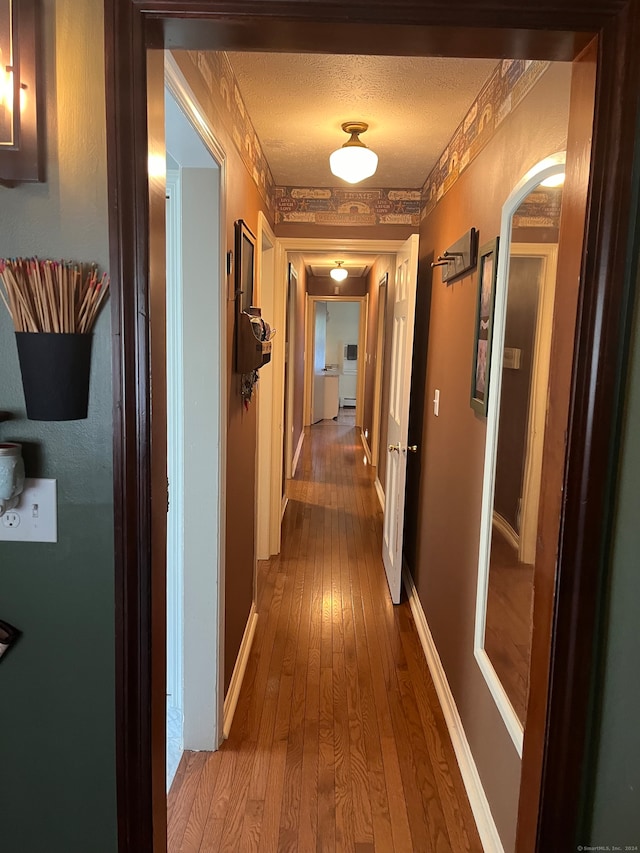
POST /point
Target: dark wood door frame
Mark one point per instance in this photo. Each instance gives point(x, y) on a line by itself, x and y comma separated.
point(495, 29)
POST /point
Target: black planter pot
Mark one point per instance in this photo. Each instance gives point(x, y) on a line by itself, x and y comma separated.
point(55, 374)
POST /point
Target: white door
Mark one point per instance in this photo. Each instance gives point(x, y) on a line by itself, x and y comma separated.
point(398, 414)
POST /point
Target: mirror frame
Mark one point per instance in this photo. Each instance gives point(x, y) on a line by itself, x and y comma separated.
point(540, 172)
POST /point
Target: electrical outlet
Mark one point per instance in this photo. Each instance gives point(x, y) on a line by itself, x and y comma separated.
point(35, 519)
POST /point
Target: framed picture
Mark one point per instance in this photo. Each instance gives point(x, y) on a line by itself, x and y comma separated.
point(21, 126)
point(487, 271)
point(245, 250)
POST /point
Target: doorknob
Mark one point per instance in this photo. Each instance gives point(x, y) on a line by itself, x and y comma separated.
point(412, 448)
point(394, 448)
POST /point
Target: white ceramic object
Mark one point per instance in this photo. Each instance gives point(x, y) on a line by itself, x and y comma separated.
point(11, 475)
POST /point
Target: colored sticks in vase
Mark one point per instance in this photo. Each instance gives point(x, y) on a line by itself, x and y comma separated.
point(51, 296)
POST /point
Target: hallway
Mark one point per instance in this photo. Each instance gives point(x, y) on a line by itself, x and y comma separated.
point(338, 741)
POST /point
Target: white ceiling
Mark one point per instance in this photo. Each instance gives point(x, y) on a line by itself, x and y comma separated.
point(297, 103)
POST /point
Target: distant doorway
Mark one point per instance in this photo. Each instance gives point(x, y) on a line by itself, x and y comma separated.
point(336, 328)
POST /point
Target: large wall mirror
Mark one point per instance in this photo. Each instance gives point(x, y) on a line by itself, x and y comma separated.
point(523, 318)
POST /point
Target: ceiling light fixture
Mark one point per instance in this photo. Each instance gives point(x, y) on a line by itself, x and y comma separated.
point(338, 273)
point(354, 161)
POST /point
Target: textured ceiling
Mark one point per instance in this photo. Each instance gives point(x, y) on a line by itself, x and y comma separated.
point(297, 103)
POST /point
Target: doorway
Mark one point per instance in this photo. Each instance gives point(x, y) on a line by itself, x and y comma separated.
point(269, 425)
point(295, 268)
point(337, 359)
point(605, 271)
point(195, 406)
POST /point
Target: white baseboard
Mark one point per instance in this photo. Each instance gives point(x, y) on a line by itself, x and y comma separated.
point(365, 444)
point(380, 492)
point(477, 798)
point(502, 525)
point(231, 699)
point(296, 455)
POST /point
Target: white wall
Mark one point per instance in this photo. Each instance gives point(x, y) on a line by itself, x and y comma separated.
point(201, 474)
point(320, 354)
point(201, 322)
point(343, 319)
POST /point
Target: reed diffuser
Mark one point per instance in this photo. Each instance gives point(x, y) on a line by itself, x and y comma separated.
point(54, 306)
point(52, 296)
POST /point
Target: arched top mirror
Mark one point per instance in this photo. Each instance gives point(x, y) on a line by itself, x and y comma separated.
point(517, 386)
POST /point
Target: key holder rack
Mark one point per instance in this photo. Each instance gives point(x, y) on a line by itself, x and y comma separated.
point(254, 341)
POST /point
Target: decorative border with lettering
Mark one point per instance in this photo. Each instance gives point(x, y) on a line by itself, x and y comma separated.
point(511, 81)
point(220, 81)
point(338, 206)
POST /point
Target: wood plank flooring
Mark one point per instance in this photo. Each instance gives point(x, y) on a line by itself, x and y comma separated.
point(338, 741)
point(509, 623)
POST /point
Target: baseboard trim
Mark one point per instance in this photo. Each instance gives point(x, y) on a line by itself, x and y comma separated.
point(231, 699)
point(380, 492)
point(296, 455)
point(501, 524)
point(477, 798)
point(365, 444)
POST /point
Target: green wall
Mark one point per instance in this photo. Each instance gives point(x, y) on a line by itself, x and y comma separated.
point(57, 744)
point(613, 816)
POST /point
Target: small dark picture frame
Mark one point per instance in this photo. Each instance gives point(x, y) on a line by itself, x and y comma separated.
point(8, 636)
point(487, 272)
point(21, 127)
point(245, 250)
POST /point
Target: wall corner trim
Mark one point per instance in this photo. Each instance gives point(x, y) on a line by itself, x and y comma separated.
point(233, 693)
point(365, 444)
point(477, 798)
point(296, 455)
point(380, 492)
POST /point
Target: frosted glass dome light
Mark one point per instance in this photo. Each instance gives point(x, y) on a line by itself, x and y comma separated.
point(338, 273)
point(354, 161)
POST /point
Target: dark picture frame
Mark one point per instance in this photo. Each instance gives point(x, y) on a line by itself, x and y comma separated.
point(21, 137)
point(487, 273)
point(245, 251)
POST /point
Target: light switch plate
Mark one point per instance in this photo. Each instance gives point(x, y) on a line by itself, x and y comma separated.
point(35, 519)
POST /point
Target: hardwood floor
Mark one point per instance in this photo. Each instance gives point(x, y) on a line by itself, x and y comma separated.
point(338, 741)
point(509, 622)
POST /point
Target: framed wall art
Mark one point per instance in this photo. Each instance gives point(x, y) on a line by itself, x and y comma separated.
point(245, 264)
point(487, 271)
